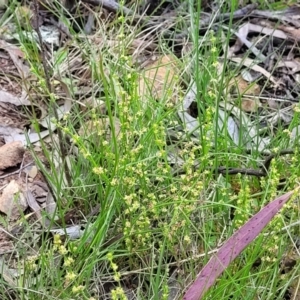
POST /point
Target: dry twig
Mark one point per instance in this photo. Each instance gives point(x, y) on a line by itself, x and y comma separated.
point(61, 139)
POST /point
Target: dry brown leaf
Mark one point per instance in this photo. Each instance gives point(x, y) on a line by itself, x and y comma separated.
point(291, 32)
point(11, 154)
point(159, 80)
point(11, 49)
point(250, 105)
point(12, 200)
point(240, 87)
point(32, 171)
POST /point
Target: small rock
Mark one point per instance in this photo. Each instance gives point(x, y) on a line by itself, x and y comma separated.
point(12, 200)
point(11, 154)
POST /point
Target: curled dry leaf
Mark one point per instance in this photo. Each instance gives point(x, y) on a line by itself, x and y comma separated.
point(11, 154)
point(159, 80)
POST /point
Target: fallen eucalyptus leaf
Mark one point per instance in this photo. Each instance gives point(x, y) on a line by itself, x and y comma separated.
point(234, 246)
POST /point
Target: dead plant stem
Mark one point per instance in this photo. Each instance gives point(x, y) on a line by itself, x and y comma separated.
point(53, 105)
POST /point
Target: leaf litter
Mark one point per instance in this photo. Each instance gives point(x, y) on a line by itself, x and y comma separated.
point(259, 97)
